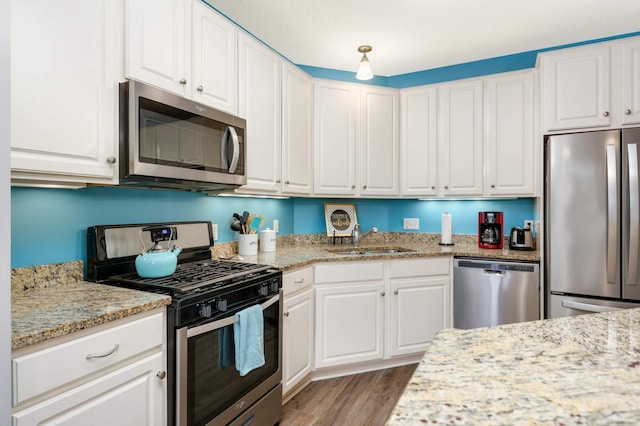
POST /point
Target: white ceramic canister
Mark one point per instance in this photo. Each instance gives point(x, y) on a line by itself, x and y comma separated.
point(267, 240)
point(247, 244)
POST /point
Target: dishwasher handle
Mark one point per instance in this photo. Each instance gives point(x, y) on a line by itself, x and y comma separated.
point(493, 272)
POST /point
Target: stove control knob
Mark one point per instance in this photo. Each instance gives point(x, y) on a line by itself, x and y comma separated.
point(263, 290)
point(222, 305)
point(274, 286)
point(205, 311)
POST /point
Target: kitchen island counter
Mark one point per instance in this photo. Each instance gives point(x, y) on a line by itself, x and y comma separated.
point(571, 371)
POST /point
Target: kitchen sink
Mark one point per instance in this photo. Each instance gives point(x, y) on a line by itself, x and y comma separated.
point(369, 250)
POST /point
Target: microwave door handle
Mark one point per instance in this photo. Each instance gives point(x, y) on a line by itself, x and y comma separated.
point(236, 148)
point(612, 213)
point(634, 212)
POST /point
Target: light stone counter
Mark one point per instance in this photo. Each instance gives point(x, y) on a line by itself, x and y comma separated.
point(569, 371)
point(294, 251)
point(50, 301)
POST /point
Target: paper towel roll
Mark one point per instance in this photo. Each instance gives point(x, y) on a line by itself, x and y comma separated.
point(445, 237)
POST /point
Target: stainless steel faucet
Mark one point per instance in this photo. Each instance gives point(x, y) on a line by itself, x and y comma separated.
point(357, 236)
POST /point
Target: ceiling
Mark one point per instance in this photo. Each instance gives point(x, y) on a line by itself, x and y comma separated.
point(417, 35)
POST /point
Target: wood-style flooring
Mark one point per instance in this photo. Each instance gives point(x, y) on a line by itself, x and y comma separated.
point(357, 400)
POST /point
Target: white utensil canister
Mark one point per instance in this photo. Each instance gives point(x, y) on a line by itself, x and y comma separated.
point(267, 240)
point(247, 244)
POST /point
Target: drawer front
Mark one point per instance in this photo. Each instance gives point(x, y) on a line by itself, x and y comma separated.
point(407, 268)
point(47, 369)
point(297, 280)
point(349, 272)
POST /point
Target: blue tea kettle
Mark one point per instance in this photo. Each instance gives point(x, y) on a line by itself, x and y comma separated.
point(158, 261)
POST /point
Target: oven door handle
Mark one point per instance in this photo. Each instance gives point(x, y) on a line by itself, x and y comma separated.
point(205, 328)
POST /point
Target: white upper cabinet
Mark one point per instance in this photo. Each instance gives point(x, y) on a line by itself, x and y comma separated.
point(510, 134)
point(379, 142)
point(297, 131)
point(185, 47)
point(593, 86)
point(355, 140)
point(631, 82)
point(260, 96)
point(65, 69)
point(418, 142)
point(214, 69)
point(336, 109)
point(460, 133)
point(576, 90)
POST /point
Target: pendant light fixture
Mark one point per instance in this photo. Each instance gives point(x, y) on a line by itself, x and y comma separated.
point(364, 70)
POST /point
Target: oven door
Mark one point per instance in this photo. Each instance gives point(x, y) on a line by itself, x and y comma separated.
point(210, 390)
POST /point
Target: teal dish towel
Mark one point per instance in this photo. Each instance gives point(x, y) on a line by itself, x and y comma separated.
point(248, 333)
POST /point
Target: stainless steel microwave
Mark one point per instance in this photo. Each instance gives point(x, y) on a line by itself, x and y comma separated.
point(167, 141)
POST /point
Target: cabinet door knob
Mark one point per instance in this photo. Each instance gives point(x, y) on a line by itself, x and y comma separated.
point(395, 291)
point(277, 180)
point(364, 186)
point(627, 111)
point(606, 113)
point(446, 187)
point(353, 187)
point(286, 182)
point(286, 314)
point(433, 187)
point(200, 89)
point(111, 160)
point(183, 81)
point(382, 293)
point(493, 185)
point(161, 375)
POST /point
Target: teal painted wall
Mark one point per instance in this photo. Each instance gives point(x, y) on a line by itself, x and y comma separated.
point(49, 225)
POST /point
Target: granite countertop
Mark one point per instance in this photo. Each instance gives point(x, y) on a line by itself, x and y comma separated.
point(581, 370)
point(294, 251)
point(50, 301)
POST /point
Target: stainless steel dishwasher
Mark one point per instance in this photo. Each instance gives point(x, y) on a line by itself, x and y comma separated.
point(487, 292)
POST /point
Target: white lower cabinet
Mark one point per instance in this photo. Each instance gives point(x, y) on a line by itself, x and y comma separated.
point(114, 375)
point(419, 303)
point(376, 310)
point(297, 329)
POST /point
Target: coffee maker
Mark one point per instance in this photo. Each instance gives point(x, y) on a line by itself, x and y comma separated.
point(490, 230)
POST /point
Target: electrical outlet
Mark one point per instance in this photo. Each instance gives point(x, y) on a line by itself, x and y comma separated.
point(275, 225)
point(528, 224)
point(214, 231)
point(411, 223)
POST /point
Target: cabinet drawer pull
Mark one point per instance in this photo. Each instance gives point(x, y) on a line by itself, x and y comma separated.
point(183, 81)
point(277, 180)
point(493, 185)
point(161, 375)
point(606, 113)
point(298, 282)
point(286, 314)
point(111, 352)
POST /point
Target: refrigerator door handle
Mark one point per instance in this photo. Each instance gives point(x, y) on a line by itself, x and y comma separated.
point(612, 213)
point(634, 221)
point(587, 307)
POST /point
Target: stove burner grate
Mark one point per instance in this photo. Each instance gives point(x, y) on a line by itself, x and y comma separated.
point(195, 275)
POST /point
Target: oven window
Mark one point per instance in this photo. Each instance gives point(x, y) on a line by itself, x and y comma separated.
point(213, 383)
point(173, 137)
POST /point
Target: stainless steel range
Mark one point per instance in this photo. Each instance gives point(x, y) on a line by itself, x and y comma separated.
point(204, 385)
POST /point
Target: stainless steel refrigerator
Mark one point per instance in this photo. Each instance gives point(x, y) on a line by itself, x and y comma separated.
point(592, 222)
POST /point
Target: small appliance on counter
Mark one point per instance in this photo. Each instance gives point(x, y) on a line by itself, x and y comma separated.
point(490, 232)
point(521, 239)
